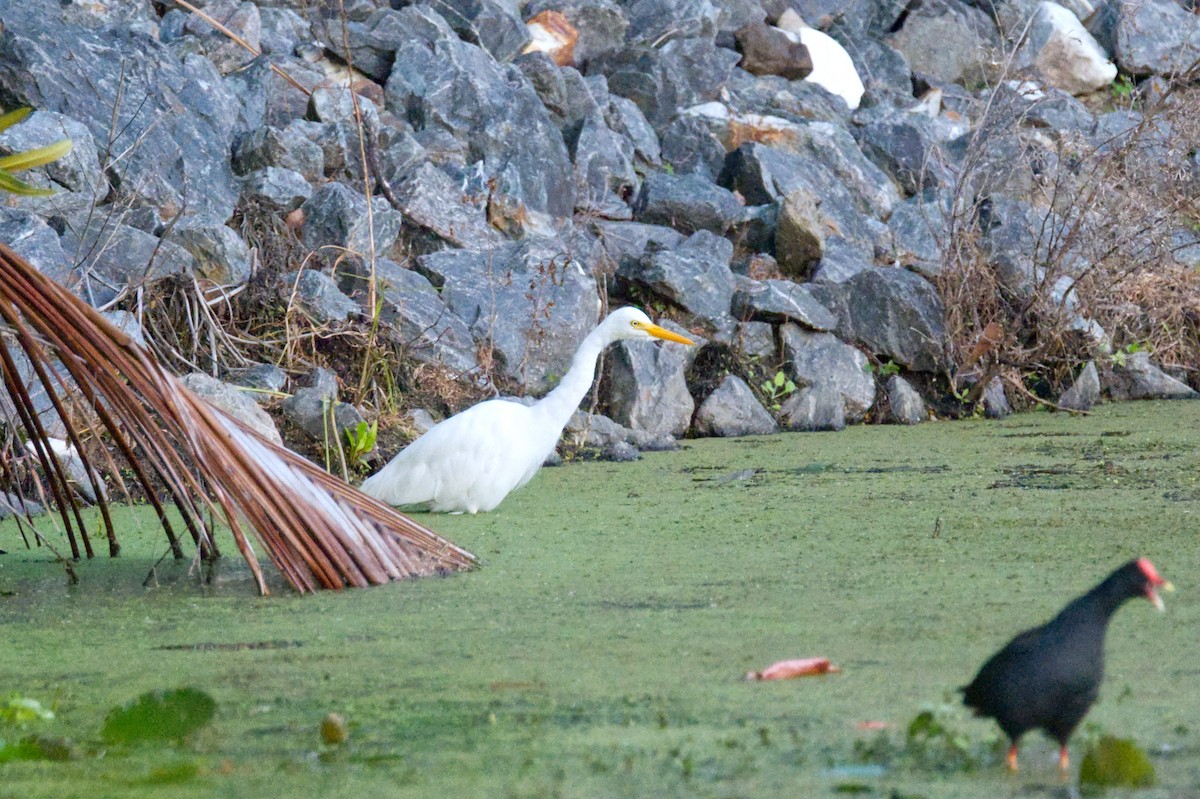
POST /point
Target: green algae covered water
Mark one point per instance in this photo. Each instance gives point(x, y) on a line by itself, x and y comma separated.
point(599, 650)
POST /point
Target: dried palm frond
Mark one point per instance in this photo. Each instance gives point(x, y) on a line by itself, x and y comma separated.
point(319, 531)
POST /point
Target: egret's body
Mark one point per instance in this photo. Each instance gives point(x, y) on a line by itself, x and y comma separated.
point(471, 461)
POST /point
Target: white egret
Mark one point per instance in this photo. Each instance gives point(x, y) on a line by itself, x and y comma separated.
point(471, 461)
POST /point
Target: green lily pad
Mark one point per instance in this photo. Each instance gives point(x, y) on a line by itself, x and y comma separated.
point(159, 716)
point(1116, 763)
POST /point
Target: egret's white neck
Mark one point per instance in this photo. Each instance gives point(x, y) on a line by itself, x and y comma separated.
point(559, 404)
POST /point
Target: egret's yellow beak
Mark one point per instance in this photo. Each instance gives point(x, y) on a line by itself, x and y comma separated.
point(663, 333)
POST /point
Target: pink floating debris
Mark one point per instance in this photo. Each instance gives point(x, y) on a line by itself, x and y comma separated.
point(800, 667)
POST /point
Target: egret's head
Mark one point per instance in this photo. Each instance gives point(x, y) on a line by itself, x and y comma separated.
point(630, 323)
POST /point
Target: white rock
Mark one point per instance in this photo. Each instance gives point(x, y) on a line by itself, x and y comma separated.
point(1063, 51)
point(833, 69)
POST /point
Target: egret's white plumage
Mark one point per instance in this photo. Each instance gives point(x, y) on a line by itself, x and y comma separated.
point(471, 461)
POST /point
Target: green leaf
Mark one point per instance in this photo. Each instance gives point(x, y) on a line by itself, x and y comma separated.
point(13, 186)
point(36, 157)
point(780, 377)
point(13, 117)
point(159, 716)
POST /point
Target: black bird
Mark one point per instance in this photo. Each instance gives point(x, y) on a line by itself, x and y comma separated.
point(1049, 676)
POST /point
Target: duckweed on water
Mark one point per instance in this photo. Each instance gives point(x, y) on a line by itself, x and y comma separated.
point(599, 649)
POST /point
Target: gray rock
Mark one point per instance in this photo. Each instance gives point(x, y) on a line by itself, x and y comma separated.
point(220, 254)
point(624, 243)
point(529, 303)
point(766, 50)
point(233, 401)
point(414, 312)
point(733, 410)
point(335, 218)
point(1084, 392)
point(259, 377)
point(1138, 378)
point(906, 404)
point(765, 175)
point(799, 233)
point(995, 403)
point(429, 199)
point(893, 313)
point(318, 295)
point(602, 24)
point(918, 227)
point(813, 408)
point(903, 146)
point(264, 98)
point(837, 153)
point(35, 241)
point(287, 148)
point(1012, 230)
point(242, 18)
point(842, 261)
point(755, 340)
point(598, 432)
point(694, 275)
point(1063, 52)
point(652, 22)
point(282, 190)
point(128, 324)
point(660, 80)
point(77, 171)
point(623, 116)
point(604, 171)
point(494, 25)
point(337, 103)
point(781, 301)
point(647, 388)
point(687, 203)
point(372, 40)
point(111, 256)
point(12, 503)
point(1155, 37)
point(563, 90)
point(949, 41)
point(316, 410)
point(421, 420)
point(439, 81)
point(173, 138)
point(885, 72)
point(282, 30)
point(821, 359)
point(689, 146)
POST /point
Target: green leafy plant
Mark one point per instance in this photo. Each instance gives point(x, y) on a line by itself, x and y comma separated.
point(777, 388)
point(1119, 356)
point(1122, 87)
point(28, 159)
point(360, 440)
point(884, 370)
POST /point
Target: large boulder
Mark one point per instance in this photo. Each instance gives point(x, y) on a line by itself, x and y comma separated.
point(648, 389)
point(893, 313)
point(438, 81)
point(528, 304)
point(1156, 37)
point(1062, 51)
point(172, 117)
point(821, 359)
point(694, 275)
point(733, 410)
